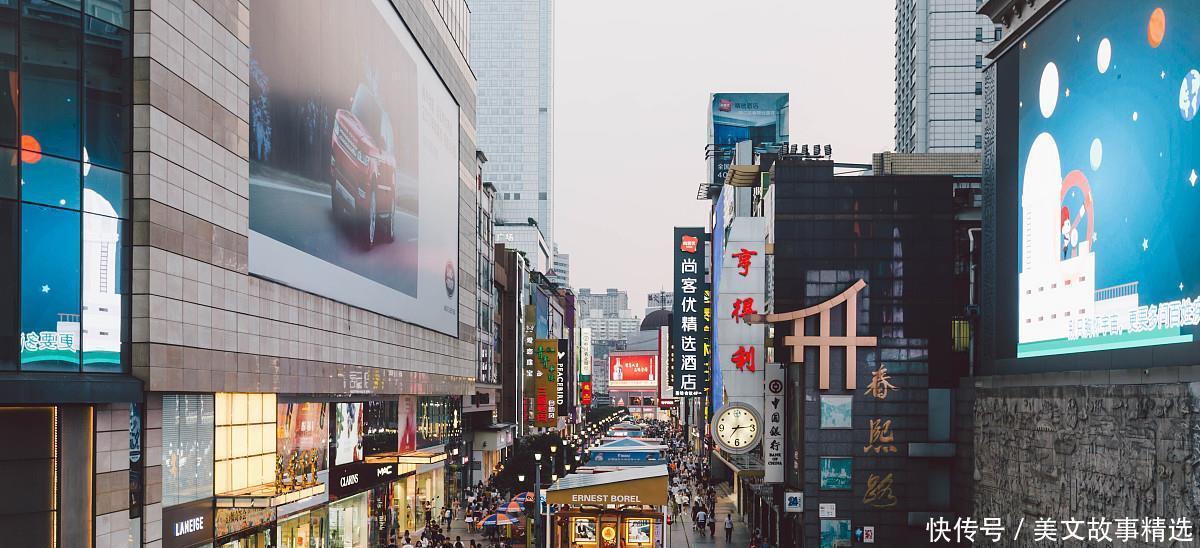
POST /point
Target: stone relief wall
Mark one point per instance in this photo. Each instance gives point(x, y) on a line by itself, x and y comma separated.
point(1078, 452)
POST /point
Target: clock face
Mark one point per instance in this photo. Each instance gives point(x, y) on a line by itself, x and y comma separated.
point(737, 428)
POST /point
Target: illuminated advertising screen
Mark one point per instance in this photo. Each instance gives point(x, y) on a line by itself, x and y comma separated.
point(1107, 153)
point(353, 160)
point(633, 370)
point(347, 433)
point(761, 118)
point(301, 440)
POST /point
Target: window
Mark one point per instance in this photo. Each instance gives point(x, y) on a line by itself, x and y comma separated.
point(50, 288)
point(978, 34)
point(978, 88)
point(978, 115)
point(978, 142)
point(516, 195)
point(50, 81)
point(542, 196)
point(999, 33)
point(978, 61)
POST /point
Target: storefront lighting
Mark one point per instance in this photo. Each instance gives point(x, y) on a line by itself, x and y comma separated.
point(537, 457)
point(553, 448)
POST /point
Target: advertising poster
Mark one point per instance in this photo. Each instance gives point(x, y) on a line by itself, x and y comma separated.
point(348, 432)
point(689, 323)
point(835, 533)
point(1109, 150)
point(545, 357)
point(633, 370)
point(761, 118)
point(836, 411)
point(301, 440)
point(408, 423)
point(836, 473)
point(583, 530)
point(353, 160)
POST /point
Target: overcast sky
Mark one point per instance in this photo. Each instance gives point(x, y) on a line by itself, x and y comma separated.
point(631, 89)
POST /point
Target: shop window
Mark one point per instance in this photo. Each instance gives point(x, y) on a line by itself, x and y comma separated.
point(107, 81)
point(50, 335)
point(49, 180)
point(187, 448)
point(50, 45)
point(960, 330)
point(244, 454)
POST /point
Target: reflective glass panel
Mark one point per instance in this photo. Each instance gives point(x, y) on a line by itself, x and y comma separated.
point(107, 82)
point(49, 288)
point(49, 180)
point(50, 43)
point(102, 293)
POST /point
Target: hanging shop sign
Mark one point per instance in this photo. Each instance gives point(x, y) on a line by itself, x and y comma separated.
point(741, 349)
point(187, 525)
point(529, 334)
point(793, 502)
point(356, 477)
point(136, 462)
point(560, 374)
point(545, 358)
point(689, 322)
point(773, 415)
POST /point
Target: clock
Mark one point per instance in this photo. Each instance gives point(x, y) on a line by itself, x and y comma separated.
point(737, 428)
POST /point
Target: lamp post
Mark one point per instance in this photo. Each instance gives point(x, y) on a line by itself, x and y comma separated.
point(537, 495)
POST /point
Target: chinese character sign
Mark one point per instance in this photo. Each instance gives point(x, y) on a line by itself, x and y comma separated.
point(689, 327)
point(773, 440)
point(545, 358)
point(528, 370)
point(740, 301)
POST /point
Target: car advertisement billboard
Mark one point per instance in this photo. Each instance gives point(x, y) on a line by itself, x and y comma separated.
point(353, 160)
point(1108, 149)
point(633, 370)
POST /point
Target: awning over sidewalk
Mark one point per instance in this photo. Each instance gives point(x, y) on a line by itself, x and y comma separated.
point(632, 487)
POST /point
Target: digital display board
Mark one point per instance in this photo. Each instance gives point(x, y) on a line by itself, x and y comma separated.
point(1108, 150)
point(354, 160)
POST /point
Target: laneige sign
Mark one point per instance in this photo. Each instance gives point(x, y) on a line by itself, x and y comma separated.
point(187, 525)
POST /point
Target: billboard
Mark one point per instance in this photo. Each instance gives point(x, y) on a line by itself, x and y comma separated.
point(1108, 149)
point(353, 160)
point(689, 324)
point(347, 433)
point(761, 118)
point(633, 370)
point(545, 383)
point(301, 440)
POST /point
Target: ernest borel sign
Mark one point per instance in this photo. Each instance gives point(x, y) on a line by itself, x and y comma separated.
point(187, 525)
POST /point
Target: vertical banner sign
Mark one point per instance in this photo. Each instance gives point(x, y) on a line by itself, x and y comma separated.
point(585, 366)
point(136, 460)
point(545, 358)
point(561, 373)
point(688, 324)
point(527, 338)
point(773, 414)
point(741, 351)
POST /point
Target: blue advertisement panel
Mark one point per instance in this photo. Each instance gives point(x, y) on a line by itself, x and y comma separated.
point(1109, 150)
point(761, 118)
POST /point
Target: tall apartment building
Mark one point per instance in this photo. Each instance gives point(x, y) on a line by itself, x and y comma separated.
point(212, 332)
point(659, 300)
point(940, 48)
point(512, 51)
point(561, 271)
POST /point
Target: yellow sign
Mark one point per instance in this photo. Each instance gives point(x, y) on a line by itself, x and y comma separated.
point(609, 533)
point(634, 492)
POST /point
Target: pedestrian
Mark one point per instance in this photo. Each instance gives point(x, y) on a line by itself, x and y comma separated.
point(712, 527)
point(701, 517)
point(448, 517)
point(728, 527)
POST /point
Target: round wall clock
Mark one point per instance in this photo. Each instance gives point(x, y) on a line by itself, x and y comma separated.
point(737, 428)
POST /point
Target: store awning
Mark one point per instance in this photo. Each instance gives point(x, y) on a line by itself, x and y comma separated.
point(629, 487)
point(420, 456)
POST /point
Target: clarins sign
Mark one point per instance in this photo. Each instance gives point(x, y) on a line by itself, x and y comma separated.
point(356, 477)
point(187, 525)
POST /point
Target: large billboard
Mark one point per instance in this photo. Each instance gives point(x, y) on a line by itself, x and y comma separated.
point(689, 321)
point(353, 160)
point(1108, 150)
point(761, 118)
point(633, 369)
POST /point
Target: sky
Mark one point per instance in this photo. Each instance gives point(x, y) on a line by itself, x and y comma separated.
point(632, 83)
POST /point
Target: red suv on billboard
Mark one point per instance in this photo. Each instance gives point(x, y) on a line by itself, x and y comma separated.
point(363, 165)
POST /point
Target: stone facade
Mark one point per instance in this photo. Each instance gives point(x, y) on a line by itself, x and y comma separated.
point(1085, 451)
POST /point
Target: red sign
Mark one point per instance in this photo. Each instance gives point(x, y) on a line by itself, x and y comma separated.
point(743, 308)
point(585, 393)
point(689, 244)
point(744, 260)
point(743, 358)
point(633, 370)
point(725, 105)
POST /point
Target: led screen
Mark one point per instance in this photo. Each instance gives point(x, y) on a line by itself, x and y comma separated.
point(354, 160)
point(1108, 154)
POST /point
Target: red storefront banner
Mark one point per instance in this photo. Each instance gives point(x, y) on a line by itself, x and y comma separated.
point(633, 370)
point(585, 393)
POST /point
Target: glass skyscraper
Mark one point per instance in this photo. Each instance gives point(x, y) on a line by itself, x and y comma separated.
point(512, 49)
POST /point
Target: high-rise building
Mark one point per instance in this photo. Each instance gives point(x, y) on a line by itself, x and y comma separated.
point(940, 48)
point(610, 303)
point(512, 50)
point(561, 271)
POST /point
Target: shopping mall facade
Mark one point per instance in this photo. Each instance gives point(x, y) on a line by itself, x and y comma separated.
point(241, 307)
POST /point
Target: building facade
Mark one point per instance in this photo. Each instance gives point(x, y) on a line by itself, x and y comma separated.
point(561, 272)
point(185, 375)
point(940, 49)
point(610, 303)
point(513, 57)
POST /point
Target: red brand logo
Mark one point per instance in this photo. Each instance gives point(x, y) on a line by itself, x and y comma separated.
point(689, 244)
point(726, 105)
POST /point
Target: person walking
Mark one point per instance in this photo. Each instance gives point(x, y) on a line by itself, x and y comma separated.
point(701, 519)
point(728, 527)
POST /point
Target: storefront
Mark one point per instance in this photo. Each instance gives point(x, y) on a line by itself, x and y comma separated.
point(617, 509)
point(304, 530)
point(188, 525)
point(491, 446)
point(349, 522)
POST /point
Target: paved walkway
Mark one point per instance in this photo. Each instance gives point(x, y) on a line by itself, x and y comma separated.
point(684, 535)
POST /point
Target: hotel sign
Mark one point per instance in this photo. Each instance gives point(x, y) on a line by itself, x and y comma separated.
point(689, 322)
